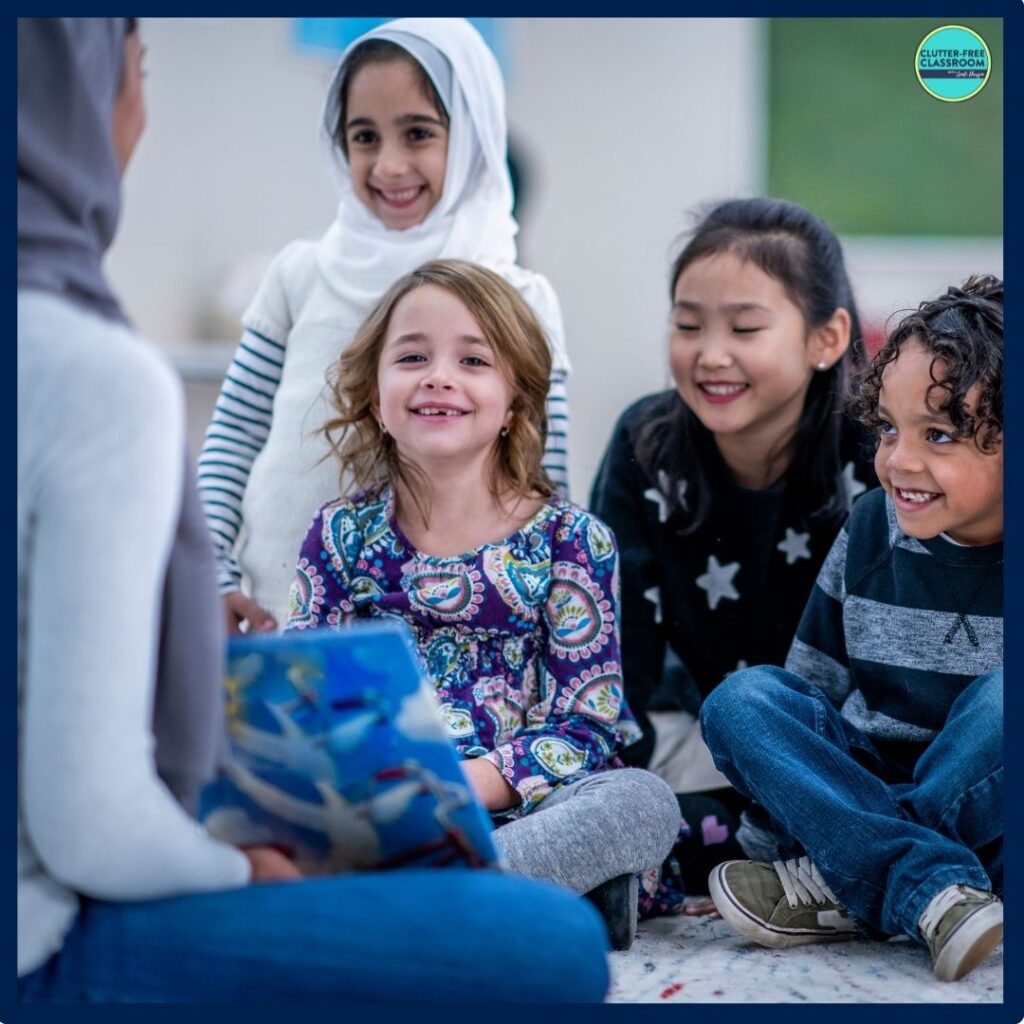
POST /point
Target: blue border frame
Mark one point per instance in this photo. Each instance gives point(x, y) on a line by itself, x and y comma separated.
point(1012, 1010)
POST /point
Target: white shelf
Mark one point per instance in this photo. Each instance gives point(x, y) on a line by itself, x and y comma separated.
point(205, 361)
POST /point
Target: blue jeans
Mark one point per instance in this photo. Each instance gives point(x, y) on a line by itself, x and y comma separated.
point(885, 841)
point(419, 935)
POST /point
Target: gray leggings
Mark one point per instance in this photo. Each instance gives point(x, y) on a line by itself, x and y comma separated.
point(612, 823)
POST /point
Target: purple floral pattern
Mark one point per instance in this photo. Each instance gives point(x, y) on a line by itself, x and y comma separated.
point(520, 638)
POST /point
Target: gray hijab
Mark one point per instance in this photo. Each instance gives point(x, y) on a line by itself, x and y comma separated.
point(69, 183)
point(69, 199)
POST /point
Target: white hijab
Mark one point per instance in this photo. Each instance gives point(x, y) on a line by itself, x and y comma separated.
point(360, 258)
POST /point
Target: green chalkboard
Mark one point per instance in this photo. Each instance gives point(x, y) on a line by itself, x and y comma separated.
point(853, 135)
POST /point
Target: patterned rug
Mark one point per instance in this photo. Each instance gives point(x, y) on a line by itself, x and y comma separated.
point(702, 960)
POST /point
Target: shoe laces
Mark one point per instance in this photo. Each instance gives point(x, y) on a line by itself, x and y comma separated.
point(944, 902)
point(802, 882)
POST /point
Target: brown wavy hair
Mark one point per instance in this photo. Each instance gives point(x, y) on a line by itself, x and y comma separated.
point(963, 332)
point(522, 356)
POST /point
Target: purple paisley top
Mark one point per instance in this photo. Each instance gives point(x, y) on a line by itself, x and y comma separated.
point(521, 637)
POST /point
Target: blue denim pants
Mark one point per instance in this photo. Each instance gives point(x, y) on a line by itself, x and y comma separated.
point(427, 936)
point(886, 842)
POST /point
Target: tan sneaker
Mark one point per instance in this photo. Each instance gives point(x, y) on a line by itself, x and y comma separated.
point(961, 925)
point(785, 903)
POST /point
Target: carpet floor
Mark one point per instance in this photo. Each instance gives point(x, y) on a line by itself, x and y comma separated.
point(702, 960)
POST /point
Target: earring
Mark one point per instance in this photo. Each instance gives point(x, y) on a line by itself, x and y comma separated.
point(383, 429)
point(504, 431)
point(823, 365)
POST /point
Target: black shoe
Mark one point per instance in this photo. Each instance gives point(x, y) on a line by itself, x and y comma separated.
point(616, 899)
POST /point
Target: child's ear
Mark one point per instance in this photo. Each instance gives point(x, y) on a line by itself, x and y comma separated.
point(375, 402)
point(829, 341)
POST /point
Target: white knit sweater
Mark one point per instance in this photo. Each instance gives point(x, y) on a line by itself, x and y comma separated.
point(100, 422)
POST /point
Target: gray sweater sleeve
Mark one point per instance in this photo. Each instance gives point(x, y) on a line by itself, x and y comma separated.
point(818, 652)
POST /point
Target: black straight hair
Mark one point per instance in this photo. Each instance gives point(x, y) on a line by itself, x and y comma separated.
point(803, 254)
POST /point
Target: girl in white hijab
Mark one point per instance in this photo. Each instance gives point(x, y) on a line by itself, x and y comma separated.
point(414, 128)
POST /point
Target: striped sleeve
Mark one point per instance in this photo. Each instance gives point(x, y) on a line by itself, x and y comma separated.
point(556, 449)
point(235, 436)
point(818, 652)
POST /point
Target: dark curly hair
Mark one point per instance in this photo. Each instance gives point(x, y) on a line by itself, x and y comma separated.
point(963, 331)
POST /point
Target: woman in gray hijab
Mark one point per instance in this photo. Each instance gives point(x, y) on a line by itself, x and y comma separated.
point(122, 897)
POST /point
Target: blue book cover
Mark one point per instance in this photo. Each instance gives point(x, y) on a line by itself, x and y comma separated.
point(338, 756)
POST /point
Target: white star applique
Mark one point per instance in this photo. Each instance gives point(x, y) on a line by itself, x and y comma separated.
point(659, 499)
point(681, 494)
point(654, 596)
point(851, 484)
point(717, 581)
point(794, 546)
point(659, 495)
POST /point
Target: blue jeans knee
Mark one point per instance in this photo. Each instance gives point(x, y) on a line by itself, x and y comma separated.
point(983, 702)
point(958, 780)
point(746, 697)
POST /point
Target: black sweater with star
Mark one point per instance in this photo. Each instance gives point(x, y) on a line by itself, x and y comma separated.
point(726, 595)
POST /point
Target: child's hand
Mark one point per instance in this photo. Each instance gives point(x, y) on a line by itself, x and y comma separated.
point(270, 865)
point(489, 784)
point(240, 608)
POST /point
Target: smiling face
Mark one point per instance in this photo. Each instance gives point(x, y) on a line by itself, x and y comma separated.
point(938, 483)
point(397, 143)
point(440, 392)
point(740, 352)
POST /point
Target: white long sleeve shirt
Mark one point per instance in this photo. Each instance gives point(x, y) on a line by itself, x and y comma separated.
point(100, 423)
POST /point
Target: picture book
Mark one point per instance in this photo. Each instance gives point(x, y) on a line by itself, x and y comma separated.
point(337, 754)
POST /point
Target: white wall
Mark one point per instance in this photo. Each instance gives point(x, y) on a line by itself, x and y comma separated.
point(228, 167)
point(612, 116)
point(630, 122)
point(894, 274)
point(626, 124)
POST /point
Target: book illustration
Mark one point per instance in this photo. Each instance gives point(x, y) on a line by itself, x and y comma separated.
point(337, 754)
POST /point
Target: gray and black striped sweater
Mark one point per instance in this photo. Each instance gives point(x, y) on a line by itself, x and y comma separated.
point(896, 628)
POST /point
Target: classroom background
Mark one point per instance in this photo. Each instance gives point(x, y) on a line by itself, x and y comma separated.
point(619, 129)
